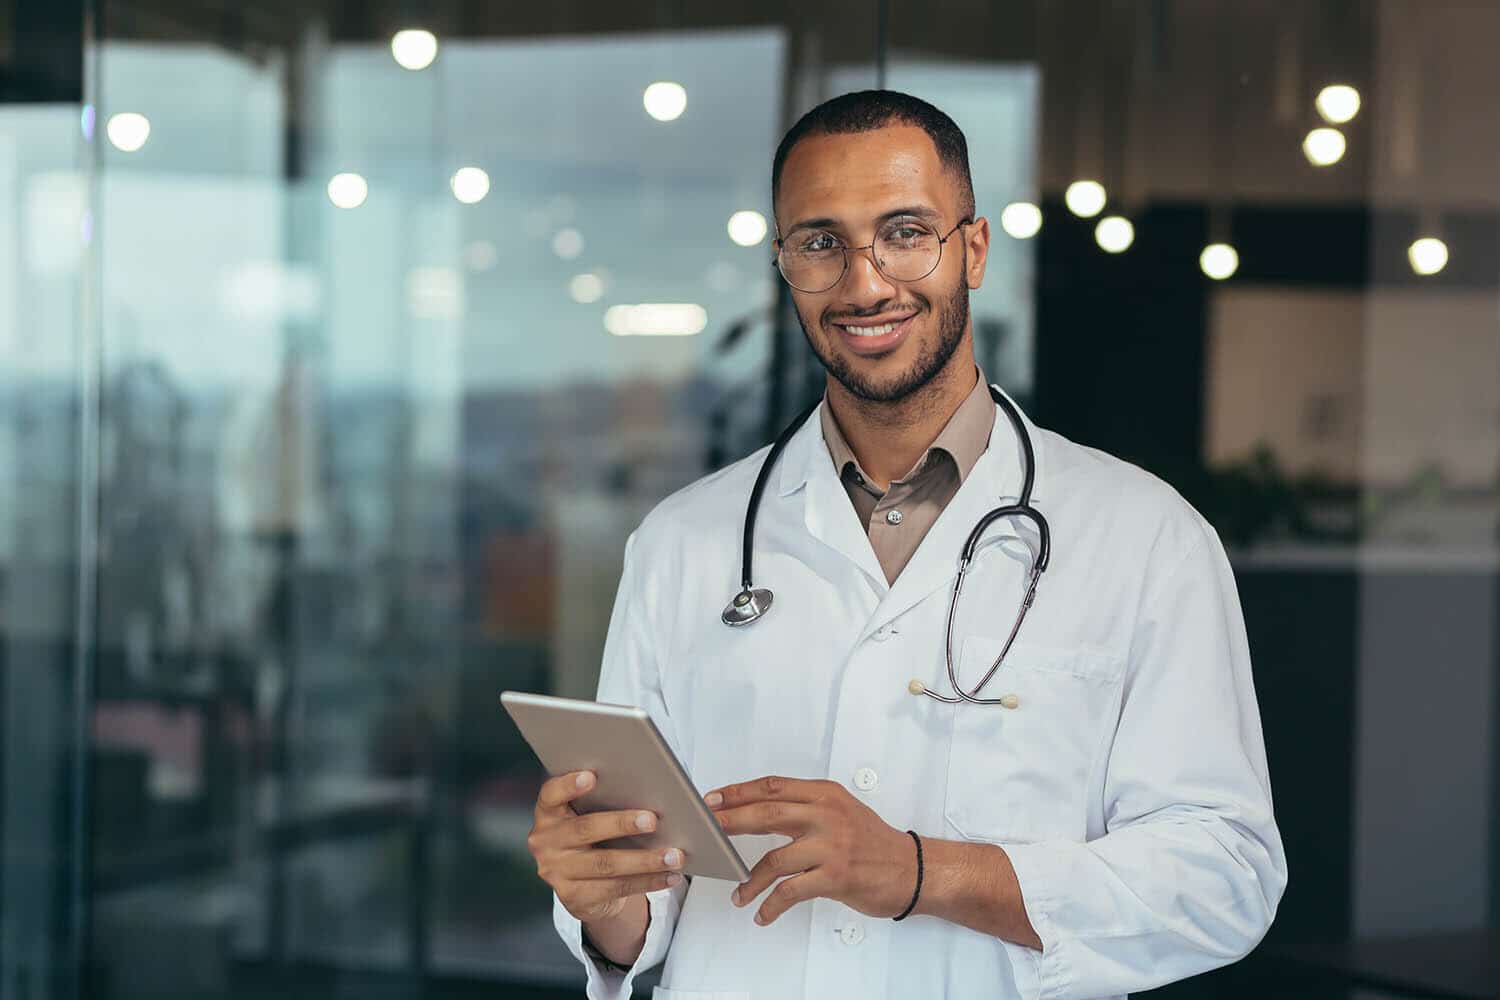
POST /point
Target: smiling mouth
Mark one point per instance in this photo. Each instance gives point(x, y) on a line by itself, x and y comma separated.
point(875, 340)
point(872, 330)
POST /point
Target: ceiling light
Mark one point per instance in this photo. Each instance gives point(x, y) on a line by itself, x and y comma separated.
point(470, 185)
point(1324, 147)
point(665, 101)
point(1021, 219)
point(1114, 234)
point(747, 228)
point(1085, 198)
point(348, 190)
point(1338, 103)
point(414, 48)
point(1428, 255)
point(1219, 261)
point(656, 319)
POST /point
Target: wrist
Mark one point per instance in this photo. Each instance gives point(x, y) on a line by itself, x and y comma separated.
point(945, 865)
point(619, 939)
point(592, 951)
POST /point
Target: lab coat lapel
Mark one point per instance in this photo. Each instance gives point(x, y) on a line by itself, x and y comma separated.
point(827, 513)
point(994, 481)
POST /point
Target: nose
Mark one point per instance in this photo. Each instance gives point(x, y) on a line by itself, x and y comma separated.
point(863, 282)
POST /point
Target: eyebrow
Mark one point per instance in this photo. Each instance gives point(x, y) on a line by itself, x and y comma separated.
point(924, 212)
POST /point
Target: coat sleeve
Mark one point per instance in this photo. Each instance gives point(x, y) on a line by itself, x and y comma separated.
point(629, 676)
point(1191, 869)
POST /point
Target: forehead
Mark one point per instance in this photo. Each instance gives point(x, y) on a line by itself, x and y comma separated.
point(856, 176)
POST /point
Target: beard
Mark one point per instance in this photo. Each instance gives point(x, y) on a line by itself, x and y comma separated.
point(953, 319)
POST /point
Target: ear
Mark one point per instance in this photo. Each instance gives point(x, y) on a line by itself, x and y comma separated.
point(977, 245)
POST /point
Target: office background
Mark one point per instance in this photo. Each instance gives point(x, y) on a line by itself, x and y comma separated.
point(327, 399)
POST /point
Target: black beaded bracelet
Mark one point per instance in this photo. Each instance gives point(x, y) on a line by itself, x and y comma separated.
point(910, 906)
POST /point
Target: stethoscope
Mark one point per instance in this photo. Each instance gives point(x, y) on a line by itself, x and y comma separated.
point(752, 602)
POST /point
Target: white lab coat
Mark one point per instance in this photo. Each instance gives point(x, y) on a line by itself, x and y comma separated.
point(1128, 787)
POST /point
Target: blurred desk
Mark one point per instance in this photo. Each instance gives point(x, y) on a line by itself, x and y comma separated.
point(1462, 965)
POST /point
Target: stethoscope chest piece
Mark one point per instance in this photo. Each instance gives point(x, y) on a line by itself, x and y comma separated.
point(747, 606)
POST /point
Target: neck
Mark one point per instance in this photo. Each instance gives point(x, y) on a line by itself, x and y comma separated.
point(889, 438)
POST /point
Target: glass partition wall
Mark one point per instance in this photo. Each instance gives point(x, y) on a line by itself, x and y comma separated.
point(341, 345)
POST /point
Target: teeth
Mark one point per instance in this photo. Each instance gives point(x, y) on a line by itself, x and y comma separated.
point(872, 331)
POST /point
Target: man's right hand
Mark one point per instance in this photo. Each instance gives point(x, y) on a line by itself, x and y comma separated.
point(594, 883)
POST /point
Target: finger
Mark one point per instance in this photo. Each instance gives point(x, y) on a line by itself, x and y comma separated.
point(557, 792)
point(579, 865)
point(793, 859)
point(592, 892)
point(581, 831)
point(790, 818)
point(768, 789)
point(788, 893)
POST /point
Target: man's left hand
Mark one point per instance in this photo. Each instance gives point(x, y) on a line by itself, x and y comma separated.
point(840, 848)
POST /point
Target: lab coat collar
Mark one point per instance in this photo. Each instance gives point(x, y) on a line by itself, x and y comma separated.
point(829, 517)
point(827, 513)
point(995, 480)
point(806, 454)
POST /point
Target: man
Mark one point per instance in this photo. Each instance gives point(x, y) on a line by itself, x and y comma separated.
point(1103, 826)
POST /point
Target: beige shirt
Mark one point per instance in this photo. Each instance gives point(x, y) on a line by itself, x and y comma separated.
point(898, 519)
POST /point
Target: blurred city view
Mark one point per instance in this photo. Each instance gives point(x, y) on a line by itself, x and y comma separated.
point(343, 344)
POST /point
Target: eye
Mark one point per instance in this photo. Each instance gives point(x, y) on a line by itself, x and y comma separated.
point(816, 242)
point(905, 233)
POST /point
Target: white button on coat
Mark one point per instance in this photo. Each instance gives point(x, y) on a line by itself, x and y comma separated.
point(1134, 867)
point(852, 934)
point(865, 779)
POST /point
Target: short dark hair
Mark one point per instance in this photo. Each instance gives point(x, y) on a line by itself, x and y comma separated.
point(868, 110)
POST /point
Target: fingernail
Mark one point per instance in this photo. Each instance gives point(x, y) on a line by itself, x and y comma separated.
point(583, 779)
point(713, 799)
point(672, 858)
point(643, 821)
point(734, 897)
point(760, 918)
point(674, 879)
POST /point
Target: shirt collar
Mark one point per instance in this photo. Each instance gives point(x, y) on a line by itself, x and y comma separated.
point(963, 438)
point(807, 455)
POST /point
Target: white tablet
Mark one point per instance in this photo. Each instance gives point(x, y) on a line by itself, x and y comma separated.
point(634, 768)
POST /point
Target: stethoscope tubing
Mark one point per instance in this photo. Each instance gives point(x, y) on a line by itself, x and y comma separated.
point(751, 603)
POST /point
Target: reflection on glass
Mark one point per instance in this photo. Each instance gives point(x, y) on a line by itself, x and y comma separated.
point(127, 131)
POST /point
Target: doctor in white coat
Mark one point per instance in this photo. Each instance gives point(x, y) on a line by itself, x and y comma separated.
point(1102, 825)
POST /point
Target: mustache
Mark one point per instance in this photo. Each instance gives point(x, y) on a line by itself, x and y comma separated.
point(910, 307)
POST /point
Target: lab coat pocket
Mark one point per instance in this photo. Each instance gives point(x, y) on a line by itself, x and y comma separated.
point(661, 993)
point(1023, 774)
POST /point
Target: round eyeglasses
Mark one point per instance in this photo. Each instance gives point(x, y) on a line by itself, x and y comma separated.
point(905, 249)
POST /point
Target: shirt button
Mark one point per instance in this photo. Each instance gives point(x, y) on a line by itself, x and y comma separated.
point(865, 779)
point(853, 934)
point(893, 517)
